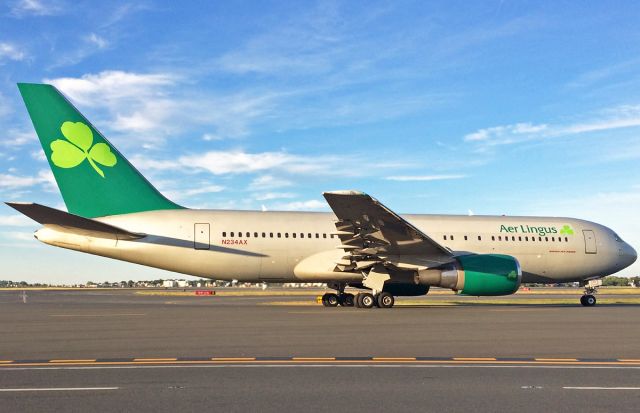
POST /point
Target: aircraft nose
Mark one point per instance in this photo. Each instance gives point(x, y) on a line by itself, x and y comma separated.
point(631, 253)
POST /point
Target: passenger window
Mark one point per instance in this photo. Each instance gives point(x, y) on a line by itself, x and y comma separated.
point(293, 234)
point(286, 235)
point(309, 235)
point(546, 239)
point(279, 235)
point(540, 239)
point(519, 238)
point(452, 238)
point(493, 238)
point(465, 238)
point(317, 235)
point(566, 239)
point(248, 235)
point(479, 238)
point(533, 239)
point(553, 239)
point(302, 235)
point(324, 235)
point(224, 234)
point(264, 235)
point(526, 238)
point(231, 234)
point(513, 238)
point(445, 237)
point(255, 235)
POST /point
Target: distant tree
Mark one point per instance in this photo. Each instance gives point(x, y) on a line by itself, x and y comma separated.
point(613, 281)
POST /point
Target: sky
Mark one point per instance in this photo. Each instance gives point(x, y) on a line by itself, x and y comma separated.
point(487, 107)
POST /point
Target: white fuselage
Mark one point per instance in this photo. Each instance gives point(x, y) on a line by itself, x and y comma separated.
point(299, 246)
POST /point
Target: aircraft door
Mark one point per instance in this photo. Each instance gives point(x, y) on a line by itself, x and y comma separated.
point(201, 240)
point(589, 241)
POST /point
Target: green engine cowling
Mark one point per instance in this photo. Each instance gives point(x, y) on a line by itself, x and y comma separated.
point(488, 274)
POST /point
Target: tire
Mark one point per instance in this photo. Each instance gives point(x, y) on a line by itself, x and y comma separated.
point(582, 301)
point(367, 300)
point(347, 300)
point(385, 300)
point(331, 300)
point(357, 302)
point(324, 300)
point(590, 300)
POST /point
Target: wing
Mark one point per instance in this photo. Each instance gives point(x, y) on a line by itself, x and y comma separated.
point(372, 234)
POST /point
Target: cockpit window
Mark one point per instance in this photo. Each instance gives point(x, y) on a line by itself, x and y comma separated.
point(617, 238)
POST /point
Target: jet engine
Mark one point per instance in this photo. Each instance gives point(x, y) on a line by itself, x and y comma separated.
point(481, 274)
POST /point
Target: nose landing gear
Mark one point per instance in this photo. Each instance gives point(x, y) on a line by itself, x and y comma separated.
point(590, 288)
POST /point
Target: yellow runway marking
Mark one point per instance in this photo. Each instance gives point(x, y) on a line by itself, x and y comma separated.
point(73, 361)
point(554, 360)
point(313, 358)
point(474, 358)
point(393, 359)
point(96, 315)
point(251, 360)
point(630, 360)
point(6, 361)
point(156, 360)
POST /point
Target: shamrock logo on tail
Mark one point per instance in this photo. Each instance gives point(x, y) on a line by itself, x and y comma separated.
point(567, 230)
point(78, 147)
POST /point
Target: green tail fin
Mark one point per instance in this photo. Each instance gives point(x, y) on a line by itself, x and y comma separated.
point(94, 178)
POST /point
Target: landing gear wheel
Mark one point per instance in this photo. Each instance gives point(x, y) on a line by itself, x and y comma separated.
point(385, 300)
point(357, 301)
point(366, 300)
point(588, 300)
point(330, 300)
point(347, 300)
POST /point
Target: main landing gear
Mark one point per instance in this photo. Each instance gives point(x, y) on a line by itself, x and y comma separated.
point(590, 288)
point(360, 300)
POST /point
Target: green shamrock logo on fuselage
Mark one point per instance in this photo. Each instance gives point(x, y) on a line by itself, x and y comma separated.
point(78, 147)
point(567, 230)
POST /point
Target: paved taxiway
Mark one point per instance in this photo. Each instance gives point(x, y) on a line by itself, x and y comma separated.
point(587, 358)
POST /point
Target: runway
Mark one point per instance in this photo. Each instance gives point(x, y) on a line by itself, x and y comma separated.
point(117, 350)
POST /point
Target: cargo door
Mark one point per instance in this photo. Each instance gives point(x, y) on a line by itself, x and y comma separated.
point(201, 240)
point(589, 241)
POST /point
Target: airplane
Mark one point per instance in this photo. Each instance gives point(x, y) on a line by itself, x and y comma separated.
point(113, 211)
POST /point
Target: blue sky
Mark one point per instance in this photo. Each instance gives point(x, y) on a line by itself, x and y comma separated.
point(493, 107)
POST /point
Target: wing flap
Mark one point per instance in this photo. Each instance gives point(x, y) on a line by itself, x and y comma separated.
point(371, 233)
point(51, 216)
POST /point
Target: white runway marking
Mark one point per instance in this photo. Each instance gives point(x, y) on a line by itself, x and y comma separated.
point(601, 388)
point(60, 389)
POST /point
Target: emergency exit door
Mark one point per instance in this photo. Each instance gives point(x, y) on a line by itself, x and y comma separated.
point(589, 241)
point(201, 240)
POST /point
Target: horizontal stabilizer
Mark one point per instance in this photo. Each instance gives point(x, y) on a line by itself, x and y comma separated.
point(51, 216)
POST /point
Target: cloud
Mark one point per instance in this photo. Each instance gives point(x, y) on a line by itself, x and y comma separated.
point(408, 178)
point(156, 105)
point(15, 221)
point(9, 51)
point(23, 8)
point(183, 194)
point(624, 116)
point(240, 162)
point(273, 195)
point(311, 205)
point(265, 182)
point(12, 182)
point(98, 41)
